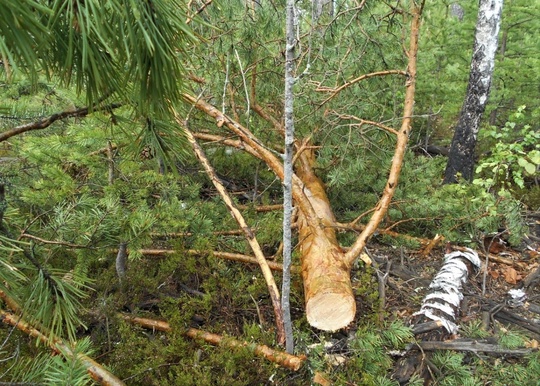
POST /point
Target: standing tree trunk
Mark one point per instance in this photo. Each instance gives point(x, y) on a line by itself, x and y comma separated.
point(461, 158)
point(287, 176)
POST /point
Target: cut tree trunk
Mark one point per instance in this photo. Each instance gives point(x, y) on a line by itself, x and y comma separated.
point(330, 302)
point(329, 298)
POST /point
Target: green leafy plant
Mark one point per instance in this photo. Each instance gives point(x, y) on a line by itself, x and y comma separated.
point(514, 155)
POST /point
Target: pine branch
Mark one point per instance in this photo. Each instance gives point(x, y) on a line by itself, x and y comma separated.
point(46, 122)
point(198, 11)
point(401, 143)
point(336, 90)
point(261, 152)
point(363, 122)
point(52, 242)
point(96, 371)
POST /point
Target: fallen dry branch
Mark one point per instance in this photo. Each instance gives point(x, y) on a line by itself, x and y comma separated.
point(432, 244)
point(248, 232)
point(360, 228)
point(283, 359)
point(422, 328)
point(222, 255)
point(496, 258)
point(508, 315)
point(470, 346)
point(96, 371)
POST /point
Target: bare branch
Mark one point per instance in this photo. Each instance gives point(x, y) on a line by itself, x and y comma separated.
point(46, 122)
point(366, 122)
point(52, 242)
point(401, 143)
point(250, 236)
point(263, 153)
point(191, 17)
point(337, 90)
point(222, 255)
point(286, 360)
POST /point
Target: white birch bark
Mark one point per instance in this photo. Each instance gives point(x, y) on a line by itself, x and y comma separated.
point(461, 157)
point(444, 299)
point(288, 172)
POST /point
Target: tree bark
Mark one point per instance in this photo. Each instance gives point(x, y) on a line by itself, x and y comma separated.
point(461, 158)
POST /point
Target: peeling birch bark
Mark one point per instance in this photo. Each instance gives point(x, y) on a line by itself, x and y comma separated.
point(444, 299)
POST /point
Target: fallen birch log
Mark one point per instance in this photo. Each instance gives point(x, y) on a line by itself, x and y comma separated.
point(283, 359)
point(436, 319)
point(96, 371)
point(443, 301)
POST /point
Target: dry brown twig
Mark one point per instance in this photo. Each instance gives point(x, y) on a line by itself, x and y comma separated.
point(250, 236)
point(284, 359)
point(222, 255)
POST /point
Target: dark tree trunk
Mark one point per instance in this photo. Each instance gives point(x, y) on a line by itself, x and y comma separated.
point(461, 158)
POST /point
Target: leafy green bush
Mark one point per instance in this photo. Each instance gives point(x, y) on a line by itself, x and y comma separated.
point(514, 155)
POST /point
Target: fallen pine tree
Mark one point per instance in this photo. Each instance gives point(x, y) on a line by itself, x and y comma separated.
point(330, 303)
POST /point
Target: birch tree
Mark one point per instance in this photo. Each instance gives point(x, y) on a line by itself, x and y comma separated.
point(461, 158)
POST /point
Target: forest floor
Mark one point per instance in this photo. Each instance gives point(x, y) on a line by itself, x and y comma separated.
point(403, 278)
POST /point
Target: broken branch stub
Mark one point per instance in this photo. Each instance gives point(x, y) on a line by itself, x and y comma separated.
point(444, 299)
